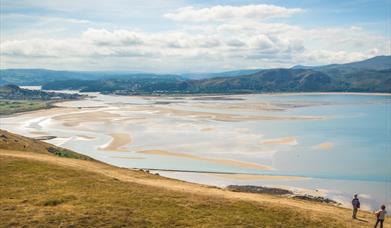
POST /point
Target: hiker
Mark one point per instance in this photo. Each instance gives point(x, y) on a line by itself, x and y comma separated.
point(356, 206)
point(380, 215)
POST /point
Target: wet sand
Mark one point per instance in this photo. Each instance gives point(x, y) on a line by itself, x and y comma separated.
point(257, 177)
point(75, 119)
point(227, 162)
point(131, 158)
point(119, 140)
point(324, 146)
point(85, 137)
point(291, 140)
point(155, 109)
point(208, 129)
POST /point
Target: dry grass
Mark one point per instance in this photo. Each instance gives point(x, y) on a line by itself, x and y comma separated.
point(42, 194)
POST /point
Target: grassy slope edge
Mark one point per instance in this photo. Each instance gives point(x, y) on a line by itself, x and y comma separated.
point(8, 107)
point(39, 189)
point(10, 141)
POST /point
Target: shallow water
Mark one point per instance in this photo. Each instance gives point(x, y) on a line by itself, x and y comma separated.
point(342, 142)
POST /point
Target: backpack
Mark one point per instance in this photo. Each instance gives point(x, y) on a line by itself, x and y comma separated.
point(356, 203)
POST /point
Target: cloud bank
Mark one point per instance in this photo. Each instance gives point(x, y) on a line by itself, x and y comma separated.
point(207, 39)
point(224, 13)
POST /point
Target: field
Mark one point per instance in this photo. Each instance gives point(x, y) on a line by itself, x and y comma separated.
point(14, 106)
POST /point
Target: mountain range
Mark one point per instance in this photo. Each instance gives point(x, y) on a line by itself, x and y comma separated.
point(371, 75)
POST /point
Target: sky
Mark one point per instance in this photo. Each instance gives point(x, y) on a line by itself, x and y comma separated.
point(182, 36)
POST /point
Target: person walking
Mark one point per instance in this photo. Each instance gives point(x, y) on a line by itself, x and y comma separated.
point(356, 206)
point(381, 215)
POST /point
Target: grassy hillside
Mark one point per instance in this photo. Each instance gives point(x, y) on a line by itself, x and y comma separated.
point(58, 195)
point(40, 189)
point(10, 141)
point(14, 99)
point(14, 106)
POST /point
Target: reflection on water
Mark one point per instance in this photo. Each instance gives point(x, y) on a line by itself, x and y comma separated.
point(341, 141)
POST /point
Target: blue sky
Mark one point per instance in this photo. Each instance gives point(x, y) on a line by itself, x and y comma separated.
point(190, 36)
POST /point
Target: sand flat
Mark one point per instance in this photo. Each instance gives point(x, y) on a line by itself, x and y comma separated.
point(86, 137)
point(119, 140)
point(207, 115)
point(130, 158)
point(258, 177)
point(208, 129)
point(227, 162)
point(324, 146)
point(75, 119)
point(290, 140)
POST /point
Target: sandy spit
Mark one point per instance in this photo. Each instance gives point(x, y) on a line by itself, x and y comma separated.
point(119, 140)
point(291, 140)
point(234, 163)
point(257, 177)
point(324, 146)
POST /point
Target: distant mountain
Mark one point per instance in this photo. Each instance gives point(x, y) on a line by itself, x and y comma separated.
point(146, 84)
point(264, 81)
point(220, 74)
point(375, 63)
point(32, 77)
point(303, 80)
point(371, 75)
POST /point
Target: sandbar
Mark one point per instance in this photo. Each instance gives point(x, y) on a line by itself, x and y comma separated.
point(258, 177)
point(324, 146)
point(74, 119)
point(119, 140)
point(290, 140)
point(228, 162)
point(224, 117)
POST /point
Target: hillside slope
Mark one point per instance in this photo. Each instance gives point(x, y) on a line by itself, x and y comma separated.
point(52, 191)
point(10, 141)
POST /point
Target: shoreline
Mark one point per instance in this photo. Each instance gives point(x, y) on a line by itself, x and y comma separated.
point(244, 93)
point(238, 93)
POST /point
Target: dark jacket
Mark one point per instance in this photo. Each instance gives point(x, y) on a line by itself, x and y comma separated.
point(356, 203)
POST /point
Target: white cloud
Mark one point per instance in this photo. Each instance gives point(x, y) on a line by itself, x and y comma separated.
point(227, 12)
point(102, 37)
point(316, 56)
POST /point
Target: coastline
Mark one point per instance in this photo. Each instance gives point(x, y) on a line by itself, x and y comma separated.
point(243, 93)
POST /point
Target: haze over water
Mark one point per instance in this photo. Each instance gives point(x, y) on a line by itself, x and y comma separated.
point(333, 145)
